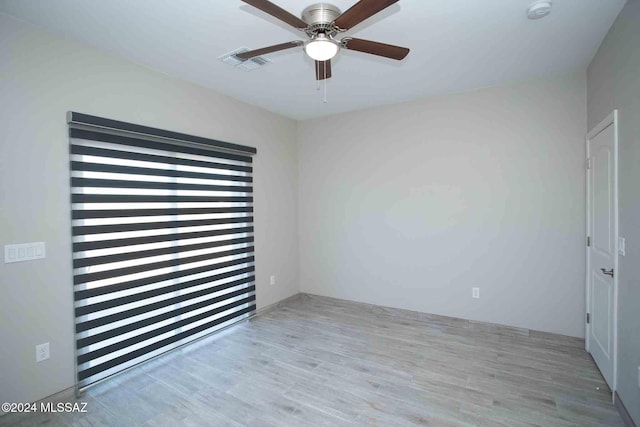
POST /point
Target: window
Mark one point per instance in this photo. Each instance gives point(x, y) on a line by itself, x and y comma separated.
point(162, 228)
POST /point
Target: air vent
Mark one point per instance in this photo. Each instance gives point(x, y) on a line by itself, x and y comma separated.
point(246, 65)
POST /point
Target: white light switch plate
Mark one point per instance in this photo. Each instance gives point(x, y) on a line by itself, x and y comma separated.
point(622, 246)
point(24, 252)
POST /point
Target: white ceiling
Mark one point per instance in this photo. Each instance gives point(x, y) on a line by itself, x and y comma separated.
point(456, 45)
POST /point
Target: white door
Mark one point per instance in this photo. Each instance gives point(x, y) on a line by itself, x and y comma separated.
point(602, 251)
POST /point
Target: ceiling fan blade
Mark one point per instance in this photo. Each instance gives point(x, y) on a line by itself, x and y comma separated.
point(375, 48)
point(323, 70)
point(270, 49)
point(277, 12)
point(361, 11)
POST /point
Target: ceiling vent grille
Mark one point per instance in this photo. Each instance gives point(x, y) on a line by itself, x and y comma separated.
point(246, 65)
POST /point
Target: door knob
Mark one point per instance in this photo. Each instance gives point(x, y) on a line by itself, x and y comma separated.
point(607, 272)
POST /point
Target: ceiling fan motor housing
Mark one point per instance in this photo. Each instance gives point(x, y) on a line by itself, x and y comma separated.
point(320, 17)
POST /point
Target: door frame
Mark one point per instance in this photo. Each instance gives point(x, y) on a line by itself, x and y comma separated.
point(610, 120)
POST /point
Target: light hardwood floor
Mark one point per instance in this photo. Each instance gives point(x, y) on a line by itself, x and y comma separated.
point(317, 361)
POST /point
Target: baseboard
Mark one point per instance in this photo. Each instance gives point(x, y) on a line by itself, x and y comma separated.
point(626, 417)
point(474, 325)
point(275, 305)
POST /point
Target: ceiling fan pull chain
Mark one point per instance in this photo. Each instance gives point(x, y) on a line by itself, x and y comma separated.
point(325, 82)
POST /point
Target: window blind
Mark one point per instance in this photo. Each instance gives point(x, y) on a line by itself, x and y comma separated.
point(163, 244)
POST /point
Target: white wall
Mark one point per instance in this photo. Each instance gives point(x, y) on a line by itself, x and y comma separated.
point(41, 78)
point(412, 205)
point(613, 81)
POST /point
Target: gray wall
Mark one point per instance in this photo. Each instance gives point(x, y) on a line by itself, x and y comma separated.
point(412, 205)
point(613, 81)
point(41, 78)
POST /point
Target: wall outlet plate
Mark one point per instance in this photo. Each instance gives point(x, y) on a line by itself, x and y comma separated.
point(42, 352)
point(475, 292)
point(272, 280)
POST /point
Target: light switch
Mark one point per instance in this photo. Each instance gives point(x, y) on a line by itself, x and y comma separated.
point(622, 246)
point(24, 252)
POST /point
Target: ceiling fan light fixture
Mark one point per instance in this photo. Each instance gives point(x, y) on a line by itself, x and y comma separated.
point(321, 48)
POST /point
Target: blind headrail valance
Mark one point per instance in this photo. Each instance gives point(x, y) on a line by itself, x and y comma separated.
point(88, 122)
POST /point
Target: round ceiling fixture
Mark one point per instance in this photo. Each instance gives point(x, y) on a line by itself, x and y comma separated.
point(321, 48)
point(539, 9)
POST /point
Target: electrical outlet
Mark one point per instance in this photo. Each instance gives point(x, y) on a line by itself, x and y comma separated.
point(475, 292)
point(638, 376)
point(272, 280)
point(42, 352)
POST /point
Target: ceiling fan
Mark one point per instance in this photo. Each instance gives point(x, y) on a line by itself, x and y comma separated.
point(322, 22)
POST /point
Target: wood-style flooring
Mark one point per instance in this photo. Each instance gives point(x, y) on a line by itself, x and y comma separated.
point(315, 361)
